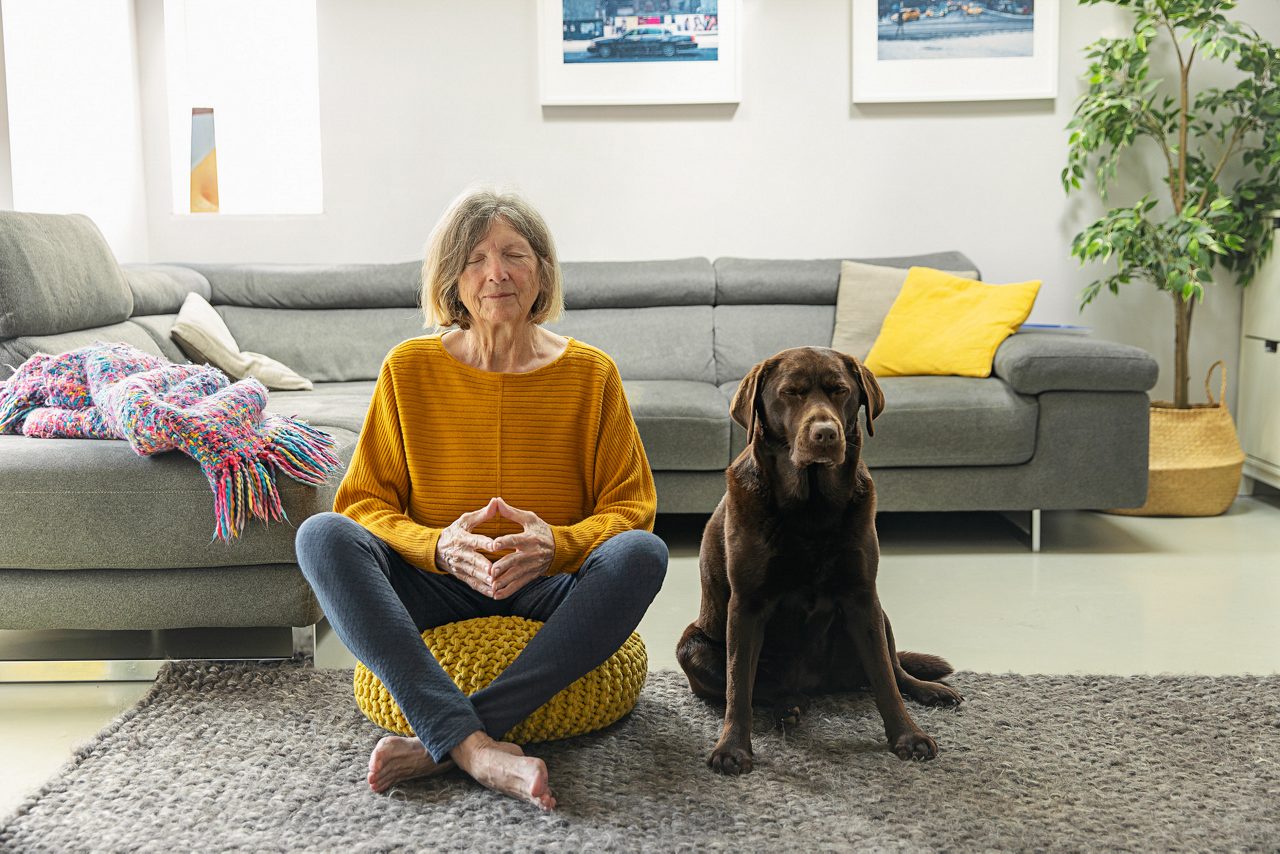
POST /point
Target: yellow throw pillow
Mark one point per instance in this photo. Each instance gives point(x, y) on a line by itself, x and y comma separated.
point(943, 324)
point(864, 297)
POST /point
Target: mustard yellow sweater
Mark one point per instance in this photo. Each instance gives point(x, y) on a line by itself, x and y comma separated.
point(441, 438)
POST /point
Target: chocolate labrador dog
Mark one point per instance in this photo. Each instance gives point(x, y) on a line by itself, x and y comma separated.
point(788, 564)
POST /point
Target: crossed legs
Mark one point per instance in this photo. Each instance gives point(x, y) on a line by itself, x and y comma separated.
point(379, 604)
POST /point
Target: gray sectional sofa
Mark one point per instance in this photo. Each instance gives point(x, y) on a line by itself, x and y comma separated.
point(93, 537)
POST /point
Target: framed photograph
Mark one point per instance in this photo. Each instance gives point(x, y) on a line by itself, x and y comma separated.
point(613, 52)
point(954, 50)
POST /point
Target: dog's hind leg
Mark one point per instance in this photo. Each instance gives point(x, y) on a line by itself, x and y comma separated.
point(917, 675)
point(703, 662)
point(788, 709)
point(799, 652)
point(924, 666)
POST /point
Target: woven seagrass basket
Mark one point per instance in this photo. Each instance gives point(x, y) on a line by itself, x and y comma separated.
point(1195, 458)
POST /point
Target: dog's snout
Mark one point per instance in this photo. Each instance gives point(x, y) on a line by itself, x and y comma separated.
point(823, 433)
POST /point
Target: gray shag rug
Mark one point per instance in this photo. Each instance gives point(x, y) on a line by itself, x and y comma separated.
point(272, 758)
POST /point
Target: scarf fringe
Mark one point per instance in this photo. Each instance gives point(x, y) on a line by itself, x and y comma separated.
point(12, 412)
point(244, 484)
point(243, 488)
point(300, 450)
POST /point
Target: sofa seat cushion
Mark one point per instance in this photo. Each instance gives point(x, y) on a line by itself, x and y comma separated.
point(942, 421)
point(327, 405)
point(684, 424)
point(95, 504)
point(952, 421)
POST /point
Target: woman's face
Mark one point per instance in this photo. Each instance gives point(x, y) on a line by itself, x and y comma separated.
point(499, 283)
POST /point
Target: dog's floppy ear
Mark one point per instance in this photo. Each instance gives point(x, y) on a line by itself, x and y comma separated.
point(872, 396)
point(746, 400)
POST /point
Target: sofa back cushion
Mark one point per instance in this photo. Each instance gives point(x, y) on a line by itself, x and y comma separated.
point(15, 351)
point(638, 284)
point(653, 317)
point(162, 288)
point(657, 343)
point(328, 322)
point(764, 305)
point(312, 286)
point(57, 275)
point(756, 281)
point(324, 345)
point(335, 323)
point(747, 334)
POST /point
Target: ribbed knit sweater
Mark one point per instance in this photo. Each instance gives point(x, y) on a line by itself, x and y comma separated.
point(441, 438)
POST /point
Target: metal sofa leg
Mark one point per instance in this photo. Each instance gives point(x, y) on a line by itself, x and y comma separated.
point(1032, 529)
point(131, 669)
point(116, 670)
point(304, 643)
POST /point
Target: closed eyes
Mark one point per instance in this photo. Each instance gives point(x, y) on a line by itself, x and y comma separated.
point(834, 391)
point(476, 259)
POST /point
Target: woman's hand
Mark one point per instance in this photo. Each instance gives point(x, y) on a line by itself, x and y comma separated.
point(535, 546)
point(458, 550)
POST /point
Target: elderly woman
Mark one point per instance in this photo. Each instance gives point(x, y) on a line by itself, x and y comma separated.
point(499, 472)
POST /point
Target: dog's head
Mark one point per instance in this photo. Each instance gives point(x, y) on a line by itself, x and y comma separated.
point(808, 398)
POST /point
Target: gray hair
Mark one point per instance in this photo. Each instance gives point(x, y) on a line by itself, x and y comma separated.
point(463, 225)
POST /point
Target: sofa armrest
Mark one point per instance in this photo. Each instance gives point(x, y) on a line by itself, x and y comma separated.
point(1032, 362)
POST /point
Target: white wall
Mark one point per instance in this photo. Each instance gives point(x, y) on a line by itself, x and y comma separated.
point(421, 97)
point(6, 174)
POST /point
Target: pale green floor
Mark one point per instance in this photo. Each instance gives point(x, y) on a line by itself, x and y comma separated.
point(1108, 594)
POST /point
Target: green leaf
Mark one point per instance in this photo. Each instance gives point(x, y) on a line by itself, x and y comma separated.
point(1130, 113)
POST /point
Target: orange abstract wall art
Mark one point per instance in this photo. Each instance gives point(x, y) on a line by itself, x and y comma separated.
point(204, 162)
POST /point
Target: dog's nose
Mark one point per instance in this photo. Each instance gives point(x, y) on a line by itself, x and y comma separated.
point(824, 433)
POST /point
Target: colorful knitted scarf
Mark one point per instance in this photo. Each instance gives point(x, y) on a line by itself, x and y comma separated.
point(114, 391)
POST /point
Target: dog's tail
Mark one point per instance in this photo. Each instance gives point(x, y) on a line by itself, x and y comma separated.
point(921, 665)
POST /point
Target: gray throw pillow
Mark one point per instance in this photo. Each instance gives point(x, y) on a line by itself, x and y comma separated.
point(203, 335)
point(863, 300)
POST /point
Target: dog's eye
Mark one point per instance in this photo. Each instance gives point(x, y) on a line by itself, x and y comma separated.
point(790, 392)
point(838, 390)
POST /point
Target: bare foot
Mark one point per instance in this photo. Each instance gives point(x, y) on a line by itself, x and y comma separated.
point(396, 759)
point(503, 767)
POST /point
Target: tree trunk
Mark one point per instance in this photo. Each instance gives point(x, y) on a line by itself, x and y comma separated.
point(1181, 342)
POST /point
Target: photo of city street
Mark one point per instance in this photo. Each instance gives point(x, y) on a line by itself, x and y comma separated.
point(605, 31)
point(955, 29)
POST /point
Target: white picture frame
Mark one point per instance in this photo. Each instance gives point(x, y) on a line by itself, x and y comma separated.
point(717, 81)
point(943, 76)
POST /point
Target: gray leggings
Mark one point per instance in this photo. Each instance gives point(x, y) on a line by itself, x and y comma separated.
point(379, 604)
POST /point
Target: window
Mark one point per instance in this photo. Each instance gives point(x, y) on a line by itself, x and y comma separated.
point(75, 140)
point(255, 66)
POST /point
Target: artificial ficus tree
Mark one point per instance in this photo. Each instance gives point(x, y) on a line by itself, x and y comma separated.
point(1206, 138)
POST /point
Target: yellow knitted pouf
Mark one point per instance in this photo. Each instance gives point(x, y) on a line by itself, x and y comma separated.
point(473, 652)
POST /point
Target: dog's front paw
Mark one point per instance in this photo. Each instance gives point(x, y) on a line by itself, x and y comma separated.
point(914, 745)
point(730, 759)
point(934, 694)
